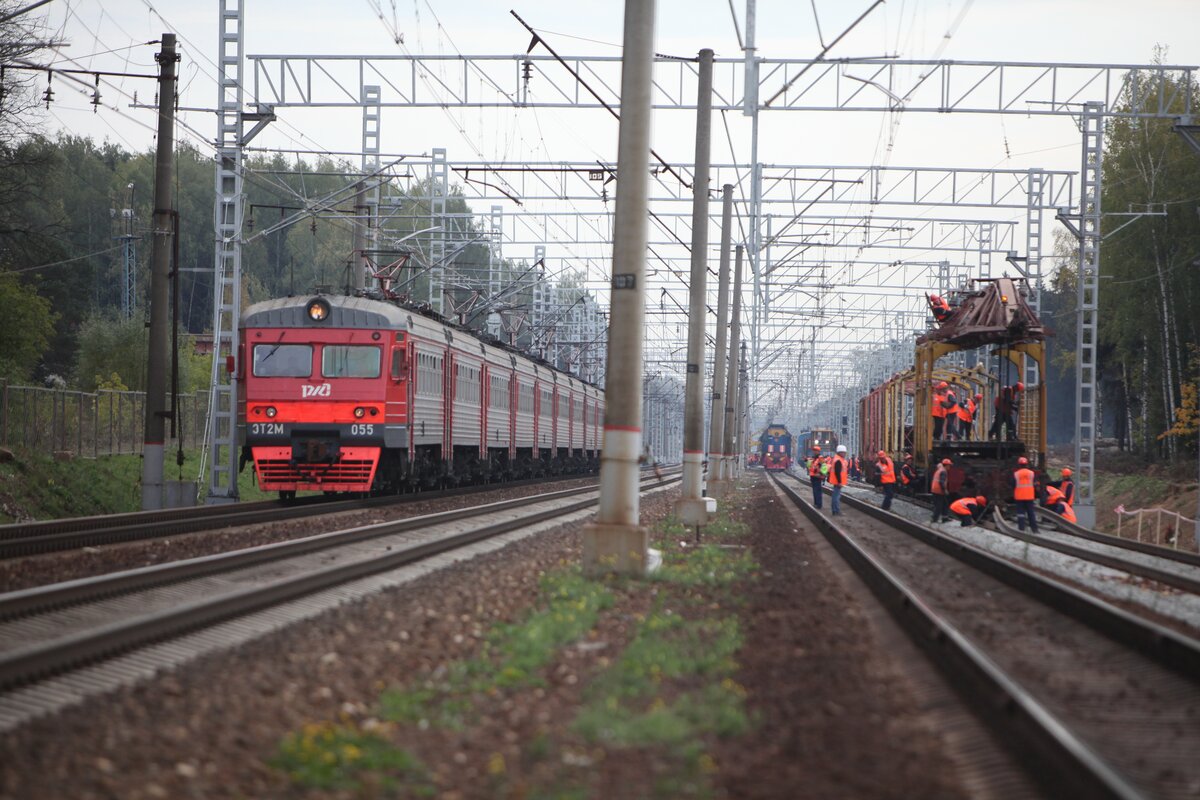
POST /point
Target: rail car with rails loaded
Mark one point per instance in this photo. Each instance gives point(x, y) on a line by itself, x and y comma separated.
point(993, 321)
point(775, 448)
point(354, 394)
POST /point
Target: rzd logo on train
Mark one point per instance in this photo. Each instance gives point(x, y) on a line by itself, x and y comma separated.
point(316, 391)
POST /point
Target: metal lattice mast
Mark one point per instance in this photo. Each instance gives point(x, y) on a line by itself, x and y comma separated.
point(1033, 255)
point(495, 266)
point(128, 274)
point(371, 112)
point(439, 177)
point(227, 267)
point(1087, 398)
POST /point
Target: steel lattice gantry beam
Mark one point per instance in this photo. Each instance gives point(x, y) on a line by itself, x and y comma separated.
point(521, 81)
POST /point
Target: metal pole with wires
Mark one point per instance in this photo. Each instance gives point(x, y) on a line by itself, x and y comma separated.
point(692, 507)
point(616, 542)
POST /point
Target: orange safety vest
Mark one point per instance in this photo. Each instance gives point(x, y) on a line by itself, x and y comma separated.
point(964, 505)
point(887, 470)
point(938, 398)
point(1054, 496)
point(833, 478)
point(1024, 489)
point(904, 474)
point(967, 413)
point(935, 486)
point(814, 467)
point(1068, 513)
point(1068, 490)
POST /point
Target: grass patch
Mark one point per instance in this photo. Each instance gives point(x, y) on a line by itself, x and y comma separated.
point(343, 757)
point(513, 655)
point(35, 486)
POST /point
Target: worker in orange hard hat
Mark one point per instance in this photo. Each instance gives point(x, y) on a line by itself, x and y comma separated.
point(940, 308)
point(908, 475)
point(1024, 483)
point(969, 510)
point(887, 478)
point(966, 416)
point(1007, 406)
point(939, 488)
point(817, 469)
point(1056, 502)
point(938, 409)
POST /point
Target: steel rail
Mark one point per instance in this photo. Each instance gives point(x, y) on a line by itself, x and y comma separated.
point(1074, 529)
point(38, 661)
point(1166, 577)
point(76, 532)
point(1063, 762)
point(1166, 647)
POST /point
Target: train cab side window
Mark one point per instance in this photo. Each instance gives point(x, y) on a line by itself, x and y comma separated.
point(282, 360)
point(350, 361)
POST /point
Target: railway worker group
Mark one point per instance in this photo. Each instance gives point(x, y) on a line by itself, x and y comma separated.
point(954, 418)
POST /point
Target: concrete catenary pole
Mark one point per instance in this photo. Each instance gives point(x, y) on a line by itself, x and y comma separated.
point(730, 443)
point(616, 541)
point(716, 425)
point(163, 228)
point(691, 507)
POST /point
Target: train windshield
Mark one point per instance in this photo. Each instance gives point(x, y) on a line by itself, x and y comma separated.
point(282, 360)
point(349, 361)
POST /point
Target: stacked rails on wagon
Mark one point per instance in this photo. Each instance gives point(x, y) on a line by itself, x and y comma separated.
point(775, 448)
point(993, 320)
point(354, 394)
point(825, 438)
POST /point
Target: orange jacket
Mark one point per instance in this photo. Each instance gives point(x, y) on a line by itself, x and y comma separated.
point(814, 466)
point(1068, 490)
point(1024, 489)
point(939, 397)
point(842, 466)
point(966, 413)
point(887, 470)
point(964, 505)
point(941, 480)
point(1067, 512)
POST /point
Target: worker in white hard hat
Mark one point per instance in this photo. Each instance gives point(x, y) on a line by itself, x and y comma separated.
point(839, 474)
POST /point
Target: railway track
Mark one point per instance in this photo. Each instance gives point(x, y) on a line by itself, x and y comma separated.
point(1098, 702)
point(50, 536)
point(1179, 570)
point(56, 631)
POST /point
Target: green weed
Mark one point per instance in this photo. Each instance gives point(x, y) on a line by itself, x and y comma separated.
point(330, 756)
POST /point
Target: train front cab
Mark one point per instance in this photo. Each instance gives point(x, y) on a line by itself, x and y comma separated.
point(323, 393)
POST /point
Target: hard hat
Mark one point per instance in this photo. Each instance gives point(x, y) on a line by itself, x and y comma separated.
point(942, 385)
point(1066, 473)
point(981, 500)
point(946, 462)
point(936, 298)
point(841, 448)
point(882, 454)
point(1022, 461)
point(908, 457)
point(978, 396)
point(1020, 386)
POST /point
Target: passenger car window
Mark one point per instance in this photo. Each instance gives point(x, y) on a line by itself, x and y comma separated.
point(349, 361)
point(282, 360)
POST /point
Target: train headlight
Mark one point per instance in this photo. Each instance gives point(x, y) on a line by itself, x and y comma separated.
point(317, 309)
point(360, 412)
point(271, 412)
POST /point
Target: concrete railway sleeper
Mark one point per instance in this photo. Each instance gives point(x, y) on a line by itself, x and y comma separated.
point(1097, 702)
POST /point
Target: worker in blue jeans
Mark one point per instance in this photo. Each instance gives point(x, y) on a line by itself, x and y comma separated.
point(839, 474)
point(817, 468)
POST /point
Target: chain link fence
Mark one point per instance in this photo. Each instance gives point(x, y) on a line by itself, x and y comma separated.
point(87, 424)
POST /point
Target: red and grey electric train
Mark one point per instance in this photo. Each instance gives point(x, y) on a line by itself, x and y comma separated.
point(352, 394)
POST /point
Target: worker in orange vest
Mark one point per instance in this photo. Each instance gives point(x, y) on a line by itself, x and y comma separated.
point(969, 510)
point(887, 478)
point(1056, 502)
point(939, 487)
point(951, 406)
point(908, 475)
point(939, 410)
point(816, 474)
point(839, 475)
point(1008, 406)
point(966, 417)
point(941, 309)
point(1024, 483)
point(1067, 487)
